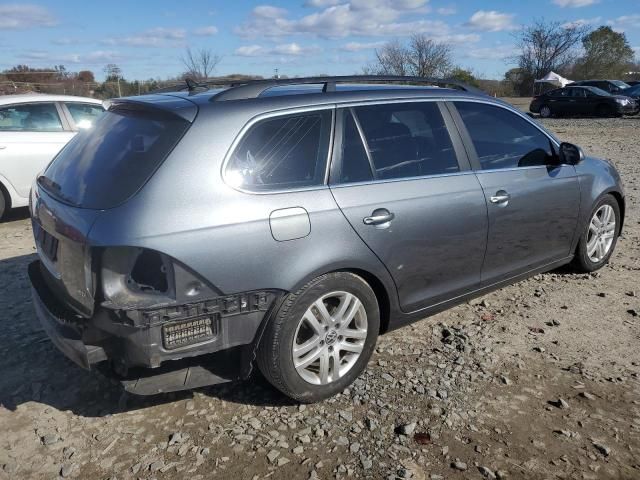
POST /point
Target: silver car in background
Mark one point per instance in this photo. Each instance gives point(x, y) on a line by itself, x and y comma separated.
point(192, 235)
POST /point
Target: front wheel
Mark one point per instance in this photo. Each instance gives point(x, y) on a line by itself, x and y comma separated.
point(545, 111)
point(321, 337)
point(599, 237)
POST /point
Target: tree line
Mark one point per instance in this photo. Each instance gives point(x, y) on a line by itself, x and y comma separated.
point(575, 51)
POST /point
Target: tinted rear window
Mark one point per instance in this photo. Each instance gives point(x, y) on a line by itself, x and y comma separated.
point(104, 166)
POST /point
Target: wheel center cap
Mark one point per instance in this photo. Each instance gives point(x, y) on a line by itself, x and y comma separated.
point(331, 337)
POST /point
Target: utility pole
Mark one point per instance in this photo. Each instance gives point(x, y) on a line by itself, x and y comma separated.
point(119, 91)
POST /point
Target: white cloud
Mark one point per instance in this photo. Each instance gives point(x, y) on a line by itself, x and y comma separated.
point(574, 3)
point(268, 11)
point(626, 21)
point(580, 22)
point(24, 16)
point(98, 57)
point(68, 41)
point(206, 31)
point(286, 49)
point(447, 11)
point(155, 37)
point(491, 21)
point(357, 46)
point(321, 3)
point(356, 17)
point(498, 52)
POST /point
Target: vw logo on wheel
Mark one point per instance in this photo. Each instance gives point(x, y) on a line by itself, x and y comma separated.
point(331, 337)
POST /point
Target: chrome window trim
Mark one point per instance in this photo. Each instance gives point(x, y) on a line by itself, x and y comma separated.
point(405, 179)
point(334, 106)
point(275, 114)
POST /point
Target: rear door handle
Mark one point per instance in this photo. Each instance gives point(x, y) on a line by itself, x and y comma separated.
point(378, 217)
point(2, 147)
point(500, 197)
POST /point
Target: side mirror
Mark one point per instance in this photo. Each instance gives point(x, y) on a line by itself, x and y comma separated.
point(570, 154)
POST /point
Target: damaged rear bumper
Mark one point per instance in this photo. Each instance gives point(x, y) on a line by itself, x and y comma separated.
point(159, 350)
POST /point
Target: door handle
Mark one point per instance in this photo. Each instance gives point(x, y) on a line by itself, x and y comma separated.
point(500, 197)
point(2, 147)
point(379, 217)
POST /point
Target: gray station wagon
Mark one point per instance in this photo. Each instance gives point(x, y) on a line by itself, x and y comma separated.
point(193, 235)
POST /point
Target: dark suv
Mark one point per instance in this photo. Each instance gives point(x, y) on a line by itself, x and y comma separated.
point(612, 86)
point(580, 101)
point(286, 223)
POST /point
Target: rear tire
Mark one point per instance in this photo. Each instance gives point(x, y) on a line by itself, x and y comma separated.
point(545, 111)
point(599, 236)
point(306, 352)
point(3, 204)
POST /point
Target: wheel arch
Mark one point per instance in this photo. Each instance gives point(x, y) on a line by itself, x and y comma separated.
point(382, 288)
point(621, 205)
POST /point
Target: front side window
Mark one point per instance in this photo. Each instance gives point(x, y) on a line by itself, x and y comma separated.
point(503, 139)
point(578, 92)
point(402, 140)
point(84, 114)
point(285, 152)
point(34, 117)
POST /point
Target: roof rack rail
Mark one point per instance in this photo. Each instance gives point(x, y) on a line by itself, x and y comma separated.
point(243, 90)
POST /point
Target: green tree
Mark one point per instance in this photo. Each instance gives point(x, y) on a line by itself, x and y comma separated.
point(86, 76)
point(607, 54)
point(464, 76)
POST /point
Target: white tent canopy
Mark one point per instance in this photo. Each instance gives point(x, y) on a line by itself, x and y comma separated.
point(550, 78)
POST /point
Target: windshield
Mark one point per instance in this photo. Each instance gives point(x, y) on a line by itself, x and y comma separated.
point(620, 84)
point(104, 166)
point(598, 91)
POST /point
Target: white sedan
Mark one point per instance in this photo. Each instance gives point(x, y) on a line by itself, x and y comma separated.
point(33, 129)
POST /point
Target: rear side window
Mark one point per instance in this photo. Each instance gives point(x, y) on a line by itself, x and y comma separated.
point(402, 140)
point(503, 139)
point(84, 114)
point(102, 167)
point(34, 117)
point(285, 152)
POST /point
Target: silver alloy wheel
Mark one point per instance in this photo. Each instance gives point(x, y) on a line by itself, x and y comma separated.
point(329, 338)
point(602, 229)
point(545, 112)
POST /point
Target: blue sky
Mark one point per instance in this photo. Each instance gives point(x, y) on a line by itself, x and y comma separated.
point(299, 37)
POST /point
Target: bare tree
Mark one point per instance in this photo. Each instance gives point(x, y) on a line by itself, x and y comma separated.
point(200, 64)
point(546, 46)
point(391, 59)
point(429, 58)
point(421, 57)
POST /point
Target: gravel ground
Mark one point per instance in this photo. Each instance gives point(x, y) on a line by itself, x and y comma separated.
point(538, 380)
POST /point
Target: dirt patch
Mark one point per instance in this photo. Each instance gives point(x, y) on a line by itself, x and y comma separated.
point(538, 380)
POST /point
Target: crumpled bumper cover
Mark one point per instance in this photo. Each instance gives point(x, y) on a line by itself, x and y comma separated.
point(63, 327)
point(144, 365)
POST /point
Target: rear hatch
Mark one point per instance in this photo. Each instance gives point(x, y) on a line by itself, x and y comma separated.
point(99, 169)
